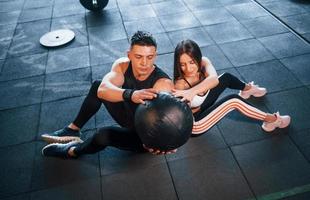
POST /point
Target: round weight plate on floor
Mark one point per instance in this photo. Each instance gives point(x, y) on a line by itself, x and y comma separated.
point(57, 38)
point(94, 5)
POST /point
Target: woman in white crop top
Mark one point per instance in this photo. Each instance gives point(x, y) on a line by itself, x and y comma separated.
point(196, 81)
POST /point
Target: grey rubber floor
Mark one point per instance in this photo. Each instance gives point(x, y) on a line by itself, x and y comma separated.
point(42, 89)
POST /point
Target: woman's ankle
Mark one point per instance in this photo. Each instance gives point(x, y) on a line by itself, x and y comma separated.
point(270, 118)
point(247, 87)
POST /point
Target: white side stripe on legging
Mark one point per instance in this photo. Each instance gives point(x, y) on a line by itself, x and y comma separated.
point(217, 114)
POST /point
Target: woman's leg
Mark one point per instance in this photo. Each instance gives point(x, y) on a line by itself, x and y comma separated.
point(226, 80)
point(207, 118)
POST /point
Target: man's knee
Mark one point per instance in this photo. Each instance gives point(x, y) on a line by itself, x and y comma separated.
point(96, 84)
point(94, 88)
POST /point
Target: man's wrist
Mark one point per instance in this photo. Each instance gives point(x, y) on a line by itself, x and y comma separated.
point(127, 94)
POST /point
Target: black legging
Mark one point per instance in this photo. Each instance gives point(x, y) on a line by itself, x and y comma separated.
point(226, 80)
point(124, 137)
point(92, 104)
point(121, 138)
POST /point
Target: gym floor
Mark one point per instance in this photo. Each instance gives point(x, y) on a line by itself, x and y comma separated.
point(42, 89)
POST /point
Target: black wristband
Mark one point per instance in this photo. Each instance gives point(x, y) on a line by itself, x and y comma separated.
point(127, 94)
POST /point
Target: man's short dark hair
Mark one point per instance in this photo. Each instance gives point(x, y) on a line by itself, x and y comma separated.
point(143, 38)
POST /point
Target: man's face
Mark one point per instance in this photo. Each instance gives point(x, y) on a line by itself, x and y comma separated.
point(142, 59)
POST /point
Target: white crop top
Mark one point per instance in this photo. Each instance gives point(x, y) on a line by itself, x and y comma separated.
point(198, 100)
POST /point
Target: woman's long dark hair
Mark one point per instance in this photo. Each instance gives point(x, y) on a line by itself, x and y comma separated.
point(192, 49)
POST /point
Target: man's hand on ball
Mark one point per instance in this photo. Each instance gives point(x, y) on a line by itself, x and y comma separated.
point(159, 152)
point(145, 94)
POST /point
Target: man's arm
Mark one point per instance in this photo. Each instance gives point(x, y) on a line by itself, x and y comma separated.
point(110, 87)
point(163, 85)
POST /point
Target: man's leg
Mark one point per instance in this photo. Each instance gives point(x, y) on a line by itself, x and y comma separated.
point(89, 108)
point(122, 138)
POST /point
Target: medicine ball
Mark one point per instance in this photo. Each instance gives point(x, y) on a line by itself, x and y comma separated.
point(94, 5)
point(164, 123)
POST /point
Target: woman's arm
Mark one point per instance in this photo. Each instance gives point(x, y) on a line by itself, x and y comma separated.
point(211, 79)
point(208, 83)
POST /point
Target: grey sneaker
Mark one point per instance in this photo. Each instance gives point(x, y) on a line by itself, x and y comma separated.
point(58, 150)
point(255, 91)
point(64, 135)
point(281, 122)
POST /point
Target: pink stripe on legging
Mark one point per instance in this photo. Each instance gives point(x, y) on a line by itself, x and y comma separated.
point(216, 115)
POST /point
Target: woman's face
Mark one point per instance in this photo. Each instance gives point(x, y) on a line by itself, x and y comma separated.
point(188, 65)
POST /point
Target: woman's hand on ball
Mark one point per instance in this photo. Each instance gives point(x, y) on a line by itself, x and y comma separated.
point(185, 95)
point(139, 96)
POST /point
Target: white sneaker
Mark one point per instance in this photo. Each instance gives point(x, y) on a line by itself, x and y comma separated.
point(281, 122)
point(255, 90)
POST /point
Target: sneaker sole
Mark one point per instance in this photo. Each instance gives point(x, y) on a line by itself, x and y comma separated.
point(244, 97)
point(255, 95)
point(268, 130)
point(54, 139)
point(259, 95)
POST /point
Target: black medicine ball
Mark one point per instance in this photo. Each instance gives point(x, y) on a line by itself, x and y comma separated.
point(164, 123)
